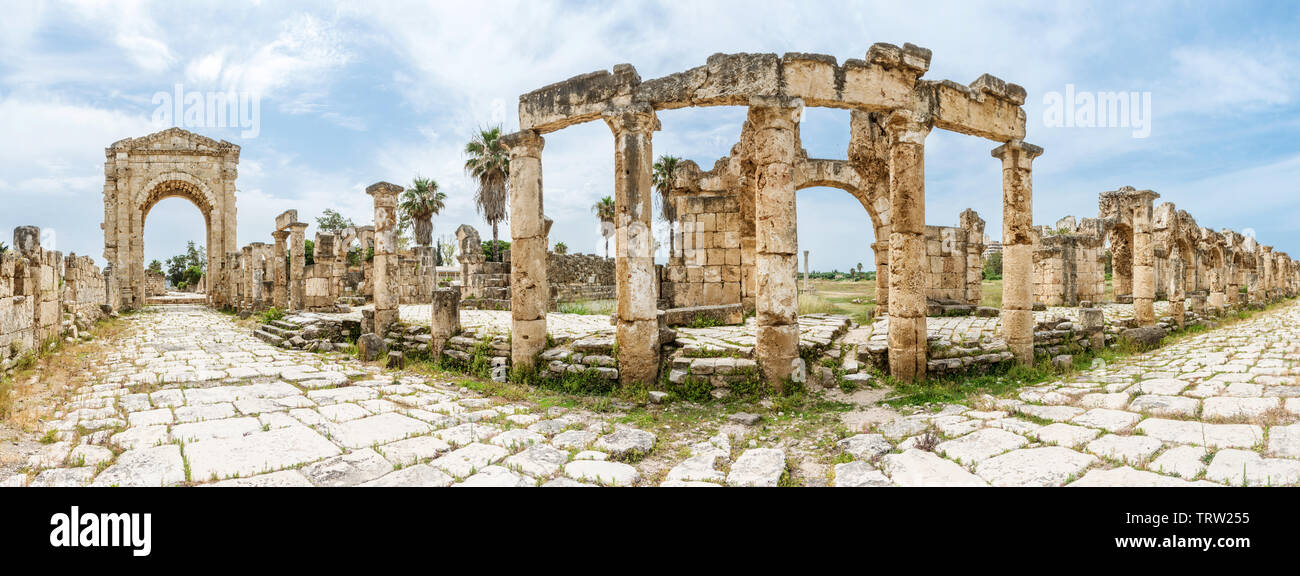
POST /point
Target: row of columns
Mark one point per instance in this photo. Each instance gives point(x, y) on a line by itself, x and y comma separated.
point(775, 124)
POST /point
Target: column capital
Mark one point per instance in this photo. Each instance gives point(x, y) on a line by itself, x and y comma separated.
point(1027, 151)
point(907, 127)
point(280, 235)
point(380, 189)
point(298, 227)
point(524, 143)
point(637, 118)
point(778, 111)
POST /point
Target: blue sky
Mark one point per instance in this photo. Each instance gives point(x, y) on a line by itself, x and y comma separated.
point(354, 93)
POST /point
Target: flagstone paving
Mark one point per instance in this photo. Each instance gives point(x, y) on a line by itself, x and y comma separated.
point(186, 396)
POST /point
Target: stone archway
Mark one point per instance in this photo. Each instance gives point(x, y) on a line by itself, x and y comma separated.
point(140, 172)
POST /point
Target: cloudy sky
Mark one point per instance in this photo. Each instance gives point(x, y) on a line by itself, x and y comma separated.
point(352, 93)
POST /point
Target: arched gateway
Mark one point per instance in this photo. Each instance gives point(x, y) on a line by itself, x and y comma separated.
point(140, 172)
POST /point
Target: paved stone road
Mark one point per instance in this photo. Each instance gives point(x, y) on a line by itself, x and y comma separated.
point(189, 397)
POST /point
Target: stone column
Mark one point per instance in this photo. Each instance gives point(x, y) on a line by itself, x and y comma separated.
point(881, 249)
point(638, 327)
point(530, 292)
point(1217, 300)
point(1144, 269)
point(1018, 247)
point(1177, 292)
point(385, 196)
point(246, 278)
point(1270, 291)
point(775, 124)
point(297, 264)
point(445, 319)
point(907, 258)
point(280, 296)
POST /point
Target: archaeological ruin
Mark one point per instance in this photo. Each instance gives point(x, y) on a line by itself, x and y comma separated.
point(734, 259)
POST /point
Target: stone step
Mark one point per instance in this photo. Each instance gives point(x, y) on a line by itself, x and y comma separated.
point(269, 338)
point(278, 332)
point(286, 325)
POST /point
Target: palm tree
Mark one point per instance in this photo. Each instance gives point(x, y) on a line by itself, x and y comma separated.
point(604, 210)
point(663, 182)
point(489, 163)
point(859, 271)
point(419, 203)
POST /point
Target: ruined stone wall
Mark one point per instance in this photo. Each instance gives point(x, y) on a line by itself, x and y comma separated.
point(1069, 263)
point(949, 267)
point(17, 309)
point(84, 289)
point(709, 271)
point(416, 276)
point(36, 287)
point(577, 277)
point(155, 283)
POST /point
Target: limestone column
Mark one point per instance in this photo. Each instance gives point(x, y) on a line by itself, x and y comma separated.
point(775, 124)
point(1177, 292)
point(638, 325)
point(881, 249)
point(907, 259)
point(385, 196)
point(1270, 291)
point(297, 264)
point(1144, 269)
point(530, 292)
point(1217, 301)
point(280, 296)
point(246, 278)
point(1018, 247)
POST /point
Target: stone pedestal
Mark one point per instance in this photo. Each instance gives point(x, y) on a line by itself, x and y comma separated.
point(444, 320)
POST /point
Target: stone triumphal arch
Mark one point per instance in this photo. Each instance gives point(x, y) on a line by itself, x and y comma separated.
point(140, 172)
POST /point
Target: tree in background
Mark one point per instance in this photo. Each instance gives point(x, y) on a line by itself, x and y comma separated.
point(447, 250)
point(855, 276)
point(332, 222)
point(662, 176)
point(489, 163)
point(186, 269)
point(604, 210)
point(561, 248)
point(3, 247)
point(993, 266)
point(154, 266)
point(418, 204)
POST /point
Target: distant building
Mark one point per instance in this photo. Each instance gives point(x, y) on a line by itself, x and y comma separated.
point(991, 247)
